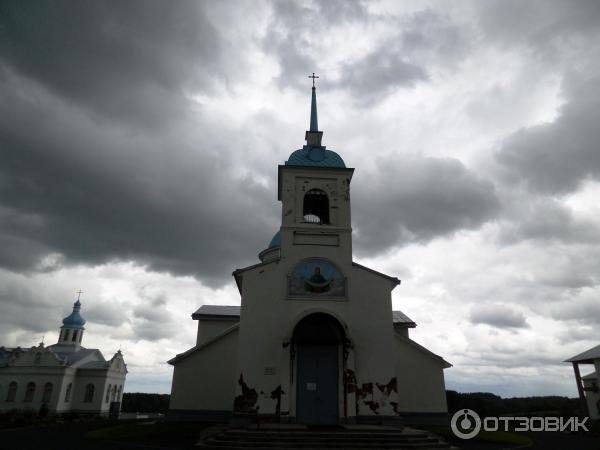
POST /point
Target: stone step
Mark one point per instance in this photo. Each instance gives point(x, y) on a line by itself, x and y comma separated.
point(323, 440)
point(310, 439)
point(439, 445)
point(327, 439)
point(352, 434)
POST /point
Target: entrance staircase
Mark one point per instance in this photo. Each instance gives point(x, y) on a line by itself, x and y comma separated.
point(373, 437)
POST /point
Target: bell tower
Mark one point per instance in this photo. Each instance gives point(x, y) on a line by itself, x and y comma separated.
point(314, 189)
point(71, 332)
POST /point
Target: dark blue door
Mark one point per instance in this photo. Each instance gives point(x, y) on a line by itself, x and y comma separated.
point(317, 385)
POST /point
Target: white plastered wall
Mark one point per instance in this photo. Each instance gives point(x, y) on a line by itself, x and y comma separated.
point(205, 380)
point(421, 386)
point(268, 318)
point(209, 328)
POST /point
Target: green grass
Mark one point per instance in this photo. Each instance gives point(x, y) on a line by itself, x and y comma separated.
point(497, 437)
point(150, 431)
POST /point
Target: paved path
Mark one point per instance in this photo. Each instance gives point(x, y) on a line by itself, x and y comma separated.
point(71, 436)
point(547, 440)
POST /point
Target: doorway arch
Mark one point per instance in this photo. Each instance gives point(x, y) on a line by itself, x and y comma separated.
point(318, 340)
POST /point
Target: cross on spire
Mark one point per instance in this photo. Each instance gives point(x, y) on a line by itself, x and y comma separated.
point(79, 292)
point(313, 76)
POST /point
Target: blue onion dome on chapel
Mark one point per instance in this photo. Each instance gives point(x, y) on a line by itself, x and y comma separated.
point(74, 320)
point(276, 241)
point(313, 153)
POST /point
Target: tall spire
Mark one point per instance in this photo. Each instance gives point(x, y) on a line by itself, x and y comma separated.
point(314, 123)
point(313, 136)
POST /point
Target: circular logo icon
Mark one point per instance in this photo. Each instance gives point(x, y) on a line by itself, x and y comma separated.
point(465, 423)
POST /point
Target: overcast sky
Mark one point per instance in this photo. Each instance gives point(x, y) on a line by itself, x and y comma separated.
point(139, 144)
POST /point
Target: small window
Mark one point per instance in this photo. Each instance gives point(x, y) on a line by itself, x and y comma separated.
point(107, 398)
point(114, 394)
point(29, 392)
point(68, 393)
point(66, 337)
point(316, 207)
point(89, 393)
point(47, 393)
point(12, 392)
point(119, 393)
point(38, 358)
point(74, 338)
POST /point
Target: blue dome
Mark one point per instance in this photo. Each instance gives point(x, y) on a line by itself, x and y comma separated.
point(276, 241)
point(315, 156)
point(74, 320)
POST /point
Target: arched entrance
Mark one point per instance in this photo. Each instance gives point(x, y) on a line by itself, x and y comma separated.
point(318, 340)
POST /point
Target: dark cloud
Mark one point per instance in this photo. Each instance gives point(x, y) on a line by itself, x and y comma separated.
point(577, 334)
point(398, 61)
point(93, 194)
point(152, 320)
point(112, 313)
point(416, 199)
point(499, 316)
point(133, 59)
point(545, 219)
point(424, 39)
point(291, 37)
point(22, 308)
point(581, 308)
point(546, 25)
point(379, 73)
point(556, 158)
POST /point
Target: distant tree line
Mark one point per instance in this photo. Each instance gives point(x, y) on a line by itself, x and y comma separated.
point(145, 403)
point(486, 404)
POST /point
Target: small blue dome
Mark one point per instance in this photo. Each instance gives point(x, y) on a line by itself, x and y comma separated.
point(276, 241)
point(315, 156)
point(74, 320)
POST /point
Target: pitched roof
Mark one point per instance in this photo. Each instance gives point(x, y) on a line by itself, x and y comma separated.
point(402, 319)
point(233, 312)
point(586, 357)
point(589, 376)
point(72, 357)
point(94, 365)
point(445, 364)
point(197, 348)
point(6, 353)
point(217, 312)
point(395, 281)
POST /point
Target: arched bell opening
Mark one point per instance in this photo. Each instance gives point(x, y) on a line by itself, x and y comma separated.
point(316, 207)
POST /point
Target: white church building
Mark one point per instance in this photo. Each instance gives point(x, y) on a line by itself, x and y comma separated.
point(315, 340)
point(64, 377)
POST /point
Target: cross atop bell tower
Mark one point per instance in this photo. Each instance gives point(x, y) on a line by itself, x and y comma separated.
point(313, 135)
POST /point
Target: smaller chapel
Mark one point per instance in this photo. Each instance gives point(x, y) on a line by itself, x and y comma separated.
point(62, 378)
